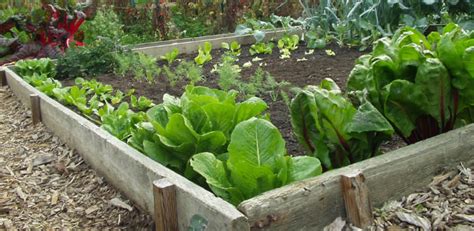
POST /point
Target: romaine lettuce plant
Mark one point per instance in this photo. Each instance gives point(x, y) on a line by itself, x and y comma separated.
point(200, 121)
point(255, 162)
point(332, 129)
point(204, 54)
point(422, 85)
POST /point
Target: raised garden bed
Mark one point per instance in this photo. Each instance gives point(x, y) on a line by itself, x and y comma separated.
point(309, 204)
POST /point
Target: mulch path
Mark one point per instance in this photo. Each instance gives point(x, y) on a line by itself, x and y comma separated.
point(46, 185)
point(447, 203)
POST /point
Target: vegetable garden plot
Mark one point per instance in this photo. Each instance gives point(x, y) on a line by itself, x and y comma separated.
point(275, 218)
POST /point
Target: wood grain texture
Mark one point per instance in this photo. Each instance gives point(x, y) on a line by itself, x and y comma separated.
point(356, 199)
point(35, 108)
point(314, 203)
point(166, 216)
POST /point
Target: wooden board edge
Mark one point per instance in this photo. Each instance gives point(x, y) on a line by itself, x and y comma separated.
point(191, 46)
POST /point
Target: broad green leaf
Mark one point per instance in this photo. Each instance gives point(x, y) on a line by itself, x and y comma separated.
point(250, 179)
point(211, 142)
point(213, 170)
point(248, 109)
point(305, 121)
point(433, 80)
point(256, 142)
point(303, 167)
point(403, 105)
point(468, 59)
point(159, 154)
point(369, 119)
point(220, 116)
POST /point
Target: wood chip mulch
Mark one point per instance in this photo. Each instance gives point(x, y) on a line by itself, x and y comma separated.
point(447, 203)
point(46, 185)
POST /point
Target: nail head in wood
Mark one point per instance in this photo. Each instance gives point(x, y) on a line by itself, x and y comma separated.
point(3, 78)
point(356, 199)
point(35, 108)
point(166, 216)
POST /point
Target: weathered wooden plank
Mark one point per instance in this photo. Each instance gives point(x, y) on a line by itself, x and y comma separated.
point(356, 199)
point(35, 108)
point(164, 193)
point(3, 78)
point(316, 202)
point(125, 168)
point(190, 46)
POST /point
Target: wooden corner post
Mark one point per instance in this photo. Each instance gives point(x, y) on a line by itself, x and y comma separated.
point(3, 78)
point(166, 216)
point(356, 199)
point(35, 108)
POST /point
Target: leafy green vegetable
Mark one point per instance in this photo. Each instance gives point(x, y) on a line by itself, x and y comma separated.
point(422, 85)
point(261, 48)
point(233, 47)
point(170, 57)
point(289, 42)
point(204, 54)
point(257, 162)
point(141, 103)
point(332, 129)
point(120, 122)
point(200, 121)
point(28, 67)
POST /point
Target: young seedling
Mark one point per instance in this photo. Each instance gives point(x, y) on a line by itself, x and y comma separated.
point(204, 54)
point(287, 44)
point(170, 57)
point(261, 48)
point(233, 48)
point(330, 52)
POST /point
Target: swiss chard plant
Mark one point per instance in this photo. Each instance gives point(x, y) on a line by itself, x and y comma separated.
point(261, 48)
point(333, 129)
point(204, 54)
point(256, 161)
point(50, 30)
point(422, 85)
point(202, 120)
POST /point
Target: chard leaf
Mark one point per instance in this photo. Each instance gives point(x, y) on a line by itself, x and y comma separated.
point(305, 121)
point(369, 119)
point(403, 103)
point(433, 80)
point(468, 59)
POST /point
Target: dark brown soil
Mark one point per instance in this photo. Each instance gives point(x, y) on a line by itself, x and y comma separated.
point(318, 66)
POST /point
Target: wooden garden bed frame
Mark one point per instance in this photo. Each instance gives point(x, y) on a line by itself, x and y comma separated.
point(311, 204)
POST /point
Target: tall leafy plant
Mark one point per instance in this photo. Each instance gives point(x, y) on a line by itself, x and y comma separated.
point(422, 85)
point(331, 128)
point(202, 120)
